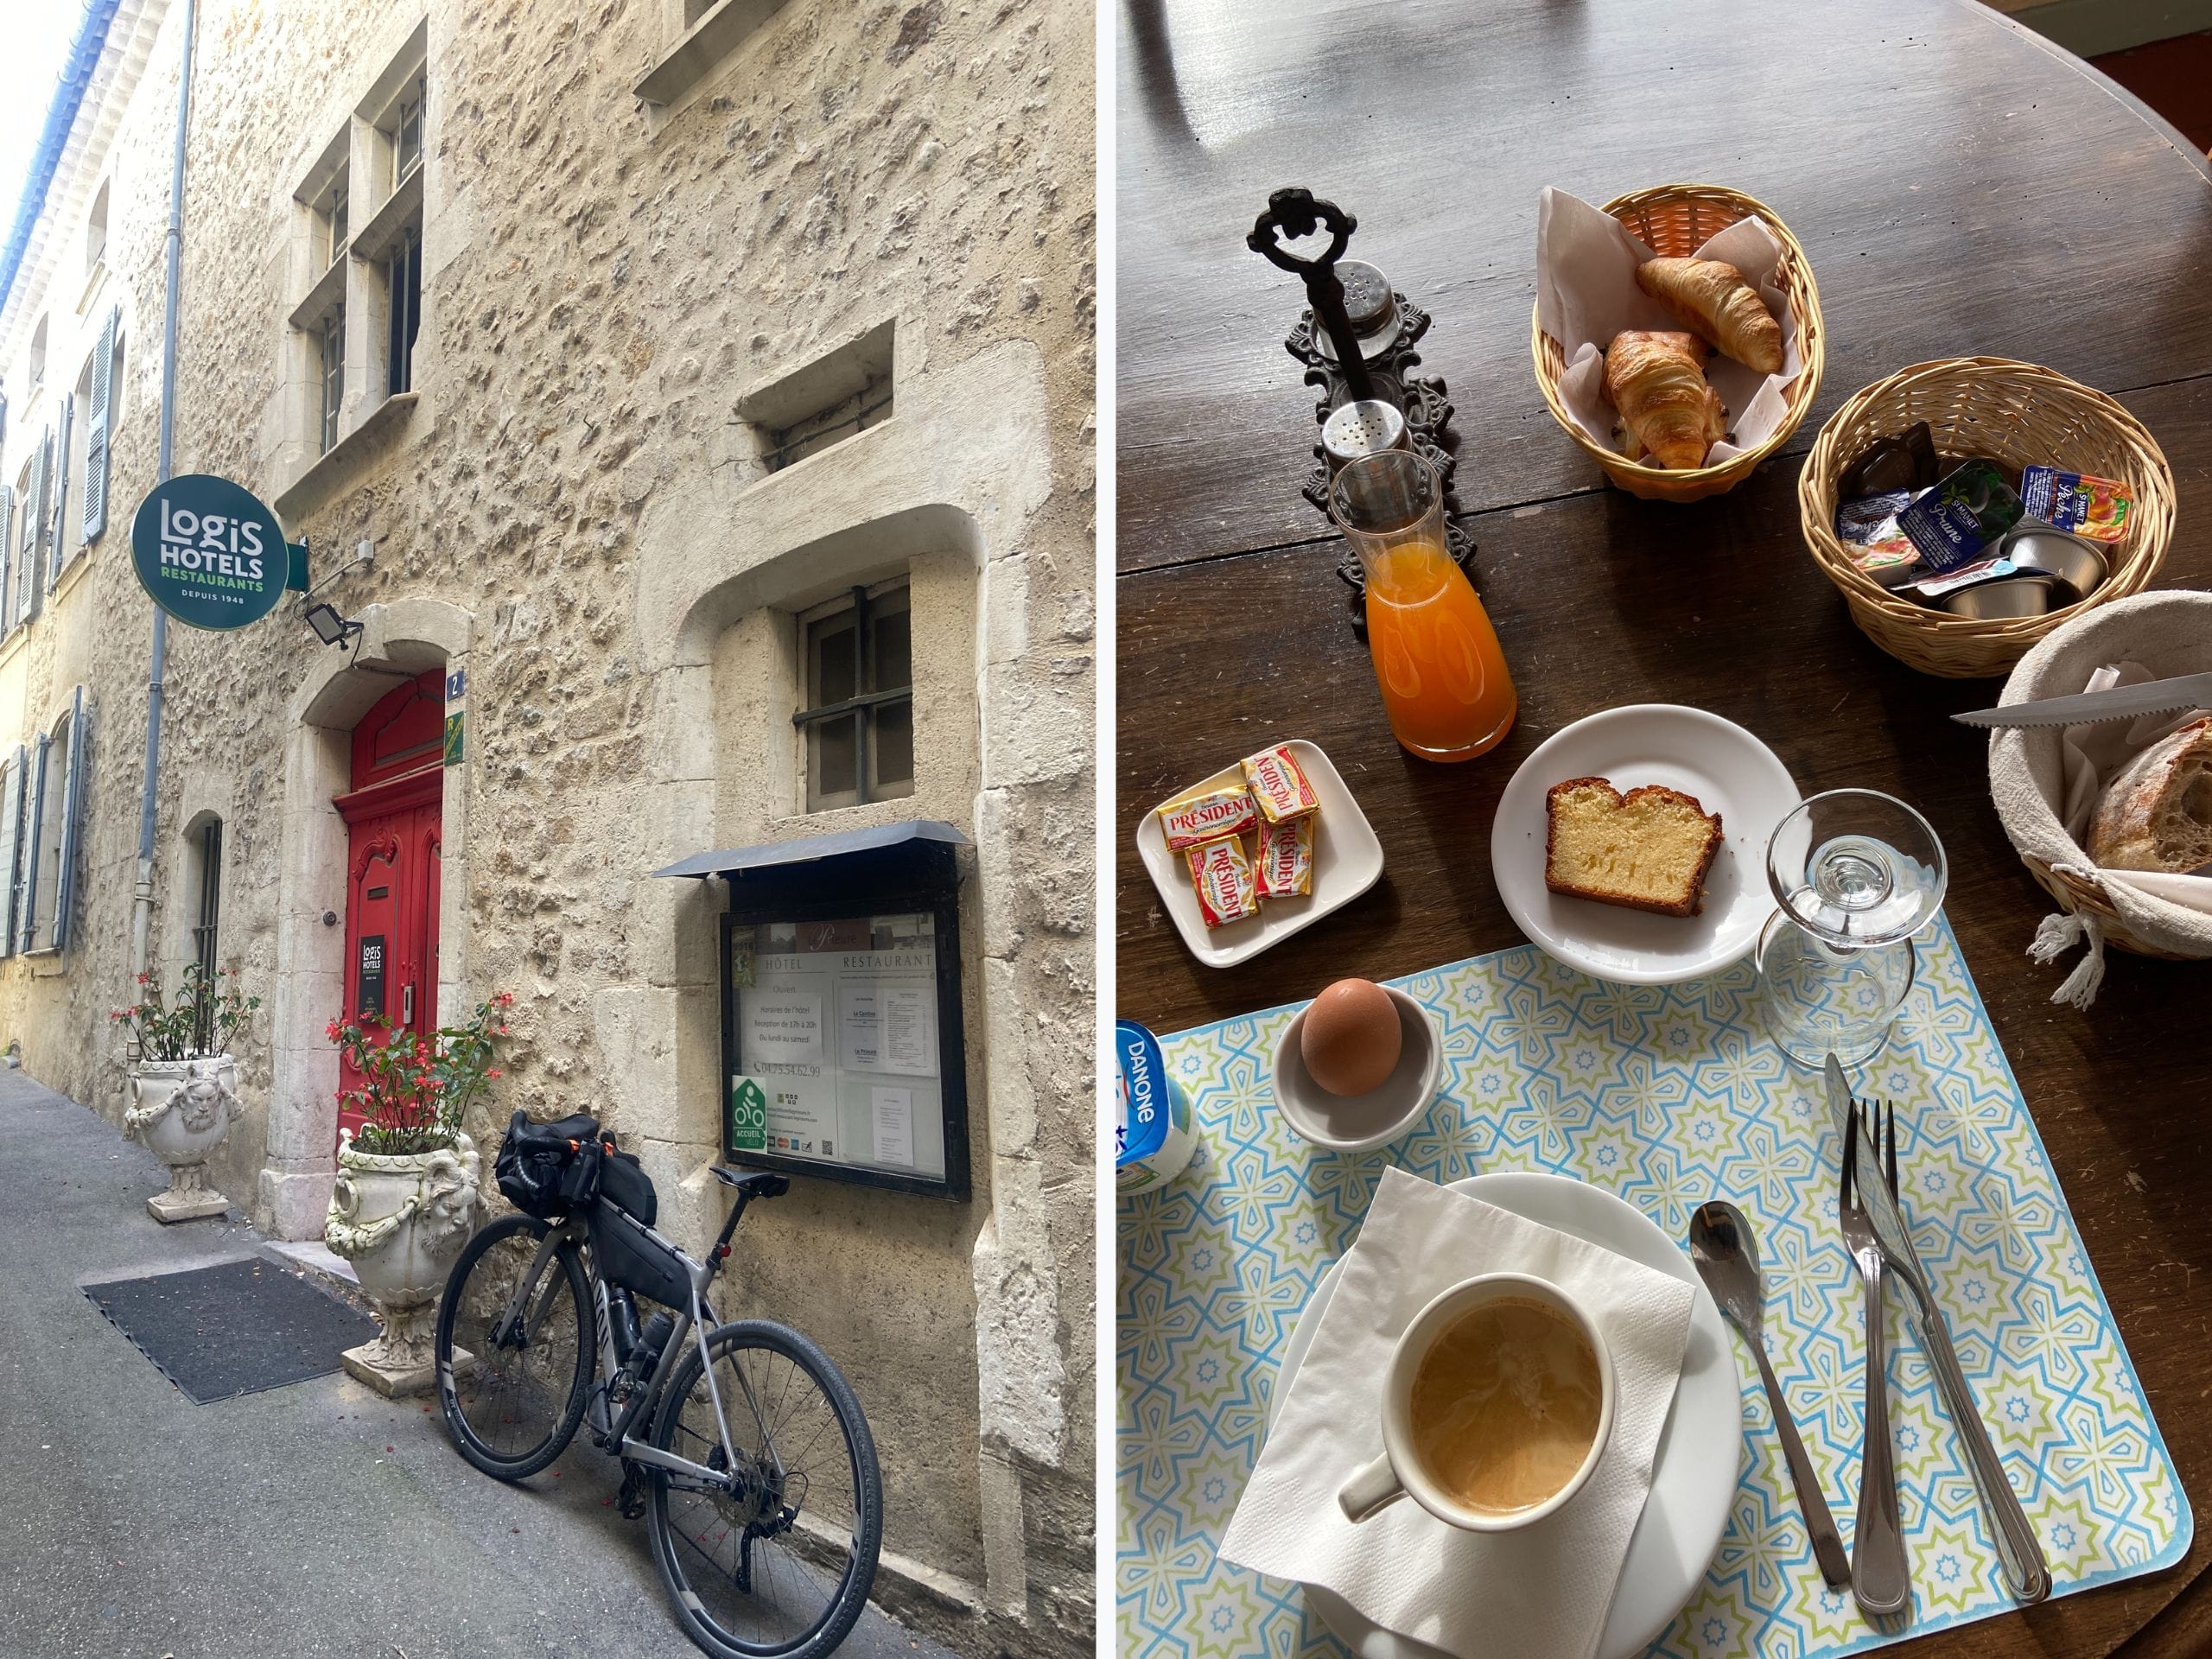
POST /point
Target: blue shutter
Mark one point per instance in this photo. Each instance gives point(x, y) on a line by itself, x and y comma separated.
point(72, 809)
point(96, 430)
point(27, 916)
point(58, 536)
point(38, 515)
point(11, 833)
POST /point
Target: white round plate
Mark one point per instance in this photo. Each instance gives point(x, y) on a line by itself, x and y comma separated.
point(1728, 770)
point(1695, 1470)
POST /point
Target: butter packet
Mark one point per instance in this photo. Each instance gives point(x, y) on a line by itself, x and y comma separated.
point(1967, 512)
point(2080, 502)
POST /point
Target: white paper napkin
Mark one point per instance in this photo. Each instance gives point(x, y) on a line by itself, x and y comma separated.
point(1587, 293)
point(2095, 754)
point(1542, 1592)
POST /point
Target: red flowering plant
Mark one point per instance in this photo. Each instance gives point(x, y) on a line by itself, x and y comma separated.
point(414, 1090)
point(208, 1011)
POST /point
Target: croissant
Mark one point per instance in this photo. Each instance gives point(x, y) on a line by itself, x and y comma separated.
point(1714, 302)
point(1657, 382)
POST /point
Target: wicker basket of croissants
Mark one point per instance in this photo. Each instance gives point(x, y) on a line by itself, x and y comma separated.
point(1675, 221)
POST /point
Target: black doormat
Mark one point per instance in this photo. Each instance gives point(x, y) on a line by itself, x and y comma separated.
point(235, 1328)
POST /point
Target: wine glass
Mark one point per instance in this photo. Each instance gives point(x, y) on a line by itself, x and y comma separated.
point(1857, 875)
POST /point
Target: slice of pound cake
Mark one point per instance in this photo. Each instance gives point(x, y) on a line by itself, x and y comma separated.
point(1648, 849)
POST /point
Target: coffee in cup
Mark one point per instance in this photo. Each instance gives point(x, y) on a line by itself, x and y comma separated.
point(1505, 1405)
point(1496, 1406)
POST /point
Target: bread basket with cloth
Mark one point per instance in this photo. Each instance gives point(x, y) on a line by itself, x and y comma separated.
point(2114, 819)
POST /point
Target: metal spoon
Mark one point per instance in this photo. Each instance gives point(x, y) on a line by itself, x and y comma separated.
point(1728, 1261)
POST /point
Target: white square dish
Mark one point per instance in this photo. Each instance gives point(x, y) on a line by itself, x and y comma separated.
point(1347, 862)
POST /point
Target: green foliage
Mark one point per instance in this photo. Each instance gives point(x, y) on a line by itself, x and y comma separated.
point(413, 1089)
point(208, 1012)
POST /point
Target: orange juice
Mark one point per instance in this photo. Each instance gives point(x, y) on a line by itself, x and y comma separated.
point(1437, 659)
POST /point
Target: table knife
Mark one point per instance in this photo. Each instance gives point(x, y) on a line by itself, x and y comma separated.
point(2086, 707)
point(2019, 1552)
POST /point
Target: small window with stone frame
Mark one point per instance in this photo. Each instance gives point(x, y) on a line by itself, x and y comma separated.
point(332, 212)
point(330, 377)
point(96, 232)
point(38, 355)
point(857, 713)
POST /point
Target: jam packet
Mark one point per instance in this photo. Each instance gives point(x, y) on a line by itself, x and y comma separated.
point(2080, 502)
point(1968, 511)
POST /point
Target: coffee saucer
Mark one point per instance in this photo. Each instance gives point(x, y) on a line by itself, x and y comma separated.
point(1695, 1467)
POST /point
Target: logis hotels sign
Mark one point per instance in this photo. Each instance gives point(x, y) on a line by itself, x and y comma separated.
point(211, 554)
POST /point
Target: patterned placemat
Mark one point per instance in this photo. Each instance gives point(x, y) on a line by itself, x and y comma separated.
point(1667, 1095)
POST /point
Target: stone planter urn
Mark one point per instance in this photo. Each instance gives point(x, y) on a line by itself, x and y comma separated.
point(401, 1220)
point(182, 1110)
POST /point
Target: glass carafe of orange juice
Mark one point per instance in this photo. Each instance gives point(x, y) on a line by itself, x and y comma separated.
point(1437, 659)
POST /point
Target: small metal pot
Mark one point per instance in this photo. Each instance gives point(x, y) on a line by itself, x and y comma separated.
point(2007, 598)
point(2076, 560)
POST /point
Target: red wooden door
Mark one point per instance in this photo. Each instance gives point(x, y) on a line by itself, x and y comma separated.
point(393, 816)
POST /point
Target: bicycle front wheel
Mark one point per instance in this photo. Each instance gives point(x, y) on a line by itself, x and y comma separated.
point(782, 1567)
point(512, 1396)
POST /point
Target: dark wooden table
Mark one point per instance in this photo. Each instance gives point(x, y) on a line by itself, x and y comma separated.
point(1961, 187)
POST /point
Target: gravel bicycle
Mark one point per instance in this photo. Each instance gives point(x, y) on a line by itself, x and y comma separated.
point(742, 1445)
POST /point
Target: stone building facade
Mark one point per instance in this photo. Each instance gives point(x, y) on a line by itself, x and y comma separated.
point(610, 356)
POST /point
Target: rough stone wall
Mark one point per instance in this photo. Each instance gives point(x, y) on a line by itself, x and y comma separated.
point(602, 283)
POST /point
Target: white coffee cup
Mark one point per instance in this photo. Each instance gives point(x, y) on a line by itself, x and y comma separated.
point(1399, 1470)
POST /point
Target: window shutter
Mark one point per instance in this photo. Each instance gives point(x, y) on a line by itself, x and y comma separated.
point(11, 833)
point(72, 808)
point(57, 536)
point(7, 552)
point(27, 914)
point(20, 567)
point(96, 426)
point(36, 534)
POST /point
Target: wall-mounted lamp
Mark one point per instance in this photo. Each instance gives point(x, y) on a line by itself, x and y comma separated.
point(330, 627)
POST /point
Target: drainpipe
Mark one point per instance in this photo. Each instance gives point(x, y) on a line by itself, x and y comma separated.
point(143, 894)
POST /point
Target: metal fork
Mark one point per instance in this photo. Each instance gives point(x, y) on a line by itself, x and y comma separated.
point(1878, 1577)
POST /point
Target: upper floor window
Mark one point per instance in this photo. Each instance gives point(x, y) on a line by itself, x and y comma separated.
point(38, 354)
point(330, 351)
point(93, 411)
point(404, 294)
point(333, 218)
point(96, 232)
point(858, 714)
point(407, 130)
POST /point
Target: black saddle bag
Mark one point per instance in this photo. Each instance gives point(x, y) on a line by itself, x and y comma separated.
point(547, 1170)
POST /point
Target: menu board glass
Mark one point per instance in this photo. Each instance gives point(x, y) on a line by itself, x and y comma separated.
point(835, 1034)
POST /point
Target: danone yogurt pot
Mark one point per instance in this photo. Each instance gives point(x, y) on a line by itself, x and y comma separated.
point(1152, 1135)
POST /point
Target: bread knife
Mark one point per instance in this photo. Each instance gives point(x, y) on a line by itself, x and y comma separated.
point(2087, 708)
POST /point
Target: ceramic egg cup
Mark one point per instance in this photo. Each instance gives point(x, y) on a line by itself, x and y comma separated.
point(1361, 1122)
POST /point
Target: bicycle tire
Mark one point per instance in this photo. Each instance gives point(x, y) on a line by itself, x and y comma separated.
point(505, 1464)
point(864, 1538)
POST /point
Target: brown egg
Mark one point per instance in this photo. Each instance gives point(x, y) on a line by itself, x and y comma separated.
point(1351, 1037)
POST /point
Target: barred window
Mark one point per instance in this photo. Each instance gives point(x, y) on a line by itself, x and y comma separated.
point(858, 715)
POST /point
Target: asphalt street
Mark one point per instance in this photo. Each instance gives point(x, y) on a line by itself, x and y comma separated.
point(315, 1519)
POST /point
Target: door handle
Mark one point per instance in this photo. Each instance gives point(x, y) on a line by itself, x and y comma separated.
point(407, 1003)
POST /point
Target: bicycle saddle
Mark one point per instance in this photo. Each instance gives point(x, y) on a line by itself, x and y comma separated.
point(761, 1184)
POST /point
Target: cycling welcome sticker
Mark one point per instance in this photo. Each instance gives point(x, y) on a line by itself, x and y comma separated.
point(748, 1116)
point(209, 552)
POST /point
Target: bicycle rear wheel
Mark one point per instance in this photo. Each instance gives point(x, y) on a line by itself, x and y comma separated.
point(782, 1567)
point(511, 1406)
